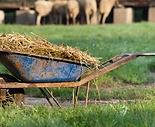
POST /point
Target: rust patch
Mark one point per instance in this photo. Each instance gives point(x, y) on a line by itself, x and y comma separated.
point(40, 68)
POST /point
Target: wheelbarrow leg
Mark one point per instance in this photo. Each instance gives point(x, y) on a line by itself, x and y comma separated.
point(98, 92)
point(52, 96)
point(75, 96)
point(47, 98)
point(87, 94)
point(48, 94)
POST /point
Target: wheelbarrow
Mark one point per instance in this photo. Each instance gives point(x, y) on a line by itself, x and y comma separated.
point(31, 71)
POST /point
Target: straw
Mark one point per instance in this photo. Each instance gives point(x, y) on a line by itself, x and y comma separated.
point(34, 45)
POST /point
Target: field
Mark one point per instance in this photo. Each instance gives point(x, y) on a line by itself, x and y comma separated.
point(104, 42)
point(133, 81)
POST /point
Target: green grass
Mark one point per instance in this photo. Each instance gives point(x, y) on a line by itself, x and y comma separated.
point(105, 42)
point(101, 41)
point(118, 115)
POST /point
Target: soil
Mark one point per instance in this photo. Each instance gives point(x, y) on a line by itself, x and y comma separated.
point(33, 101)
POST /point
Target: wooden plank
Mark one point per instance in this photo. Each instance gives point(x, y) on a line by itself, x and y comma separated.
point(9, 6)
point(37, 85)
point(14, 5)
point(135, 3)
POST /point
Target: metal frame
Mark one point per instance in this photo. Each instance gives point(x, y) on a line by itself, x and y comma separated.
point(106, 67)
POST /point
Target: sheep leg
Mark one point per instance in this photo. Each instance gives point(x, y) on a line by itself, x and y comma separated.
point(67, 18)
point(105, 17)
point(74, 20)
point(60, 19)
point(38, 19)
point(99, 18)
point(87, 18)
point(94, 18)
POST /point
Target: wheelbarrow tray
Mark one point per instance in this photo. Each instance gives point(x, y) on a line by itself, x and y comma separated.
point(31, 68)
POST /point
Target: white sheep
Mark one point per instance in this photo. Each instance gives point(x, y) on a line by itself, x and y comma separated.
point(105, 8)
point(43, 8)
point(90, 7)
point(2, 16)
point(72, 10)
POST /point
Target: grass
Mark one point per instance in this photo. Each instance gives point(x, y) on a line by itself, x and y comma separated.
point(105, 42)
point(118, 115)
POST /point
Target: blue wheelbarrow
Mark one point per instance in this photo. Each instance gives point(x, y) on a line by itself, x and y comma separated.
point(30, 68)
point(39, 69)
point(42, 72)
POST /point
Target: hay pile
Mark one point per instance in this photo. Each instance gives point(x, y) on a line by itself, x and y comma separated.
point(38, 46)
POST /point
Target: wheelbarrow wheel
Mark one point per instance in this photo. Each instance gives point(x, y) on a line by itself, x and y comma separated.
point(17, 96)
point(9, 96)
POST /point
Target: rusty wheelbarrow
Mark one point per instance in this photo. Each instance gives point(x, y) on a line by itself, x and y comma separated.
point(41, 72)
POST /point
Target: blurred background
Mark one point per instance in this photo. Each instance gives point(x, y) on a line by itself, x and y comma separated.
point(25, 12)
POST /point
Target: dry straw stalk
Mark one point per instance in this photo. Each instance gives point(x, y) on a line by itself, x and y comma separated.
point(34, 45)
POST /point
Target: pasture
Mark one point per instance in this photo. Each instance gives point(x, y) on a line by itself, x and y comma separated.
point(129, 82)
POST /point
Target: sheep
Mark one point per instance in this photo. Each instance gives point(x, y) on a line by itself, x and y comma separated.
point(2, 16)
point(59, 10)
point(105, 8)
point(43, 8)
point(90, 7)
point(72, 10)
